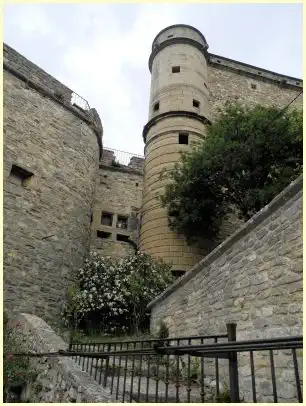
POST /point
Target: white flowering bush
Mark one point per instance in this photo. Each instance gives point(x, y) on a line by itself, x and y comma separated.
point(112, 295)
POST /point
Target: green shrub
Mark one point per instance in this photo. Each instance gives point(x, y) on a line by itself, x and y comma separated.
point(112, 295)
point(16, 370)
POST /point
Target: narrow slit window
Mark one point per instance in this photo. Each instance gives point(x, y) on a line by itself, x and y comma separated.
point(176, 69)
point(170, 35)
point(121, 237)
point(195, 103)
point(183, 138)
point(122, 222)
point(156, 106)
point(103, 234)
point(107, 219)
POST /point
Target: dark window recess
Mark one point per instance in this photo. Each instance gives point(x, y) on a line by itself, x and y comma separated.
point(122, 222)
point(156, 106)
point(20, 173)
point(170, 35)
point(121, 237)
point(136, 184)
point(176, 69)
point(253, 86)
point(107, 219)
point(297, 83)
point(195, 103)
point(91, 218)
point(205, 85)
point(259, 73)
point(103, 234)
point(177, 274)
point(218, 60)
point(183, 138)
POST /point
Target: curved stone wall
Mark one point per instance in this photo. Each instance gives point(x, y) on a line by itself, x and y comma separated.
point(178, 108)
point(51, 159)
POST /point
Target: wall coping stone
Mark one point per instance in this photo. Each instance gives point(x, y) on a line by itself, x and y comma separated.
point(253, 71)
point(289, 192)
point(38, 332)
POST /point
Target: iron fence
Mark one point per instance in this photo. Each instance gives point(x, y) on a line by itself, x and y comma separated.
point(185, 369)
point(192, 369)
point(122, 158)
point(79, 101)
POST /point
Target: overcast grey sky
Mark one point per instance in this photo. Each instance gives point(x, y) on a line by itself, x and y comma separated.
point(101, 51)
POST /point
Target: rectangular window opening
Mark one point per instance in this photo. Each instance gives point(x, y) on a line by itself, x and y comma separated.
point(177, 274)
point(196, 103)
point(103, 234)
point(253, 86)
point(156, 106)
point(170, 35)
point(21, 174)
point(176, 69)
point(183, 138)
point(122, 222)
point(121, 237)
point(107, 219)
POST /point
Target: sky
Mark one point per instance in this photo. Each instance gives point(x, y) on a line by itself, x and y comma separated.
point(101, 51)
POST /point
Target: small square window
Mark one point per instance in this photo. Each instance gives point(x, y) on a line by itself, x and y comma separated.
point(253, 86)
point(103, 234)
point(122, 222)
point(176, 69)
point(156, 106)
point(124, 238)
point(183, 138)
point(195, 103)
point(20, 174)
point(107, 219)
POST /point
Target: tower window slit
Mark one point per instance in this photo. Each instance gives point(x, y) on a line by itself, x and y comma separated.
point(196, 103)
point(156, 106)
point(183, 138)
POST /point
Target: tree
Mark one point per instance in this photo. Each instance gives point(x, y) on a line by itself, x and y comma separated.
point(248, 157)
point(112, 295)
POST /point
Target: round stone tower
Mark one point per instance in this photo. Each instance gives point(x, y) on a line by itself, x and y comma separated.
point(178, 117)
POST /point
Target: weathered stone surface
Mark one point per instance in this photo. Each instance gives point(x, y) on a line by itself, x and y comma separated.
point(266, 295)
point(47, 216)
point(118, 192)
point(59, 379)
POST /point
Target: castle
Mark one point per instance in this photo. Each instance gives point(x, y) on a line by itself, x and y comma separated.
point(64, 193)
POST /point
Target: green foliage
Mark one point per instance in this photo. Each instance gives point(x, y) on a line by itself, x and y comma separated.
point(112, 296)
point(163, 331)
point(248, 157)
point(16, 370)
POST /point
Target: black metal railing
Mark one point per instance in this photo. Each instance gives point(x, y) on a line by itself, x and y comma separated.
point(194, 369)
point(187, 369)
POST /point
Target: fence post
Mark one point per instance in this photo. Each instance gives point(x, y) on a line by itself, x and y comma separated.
point(106, 366)
point(233, 365)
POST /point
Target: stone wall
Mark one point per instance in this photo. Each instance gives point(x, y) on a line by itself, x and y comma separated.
point(59, 379)
point(118, 194)
point(51, 159)
point(232, 81)
point(254, 278)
